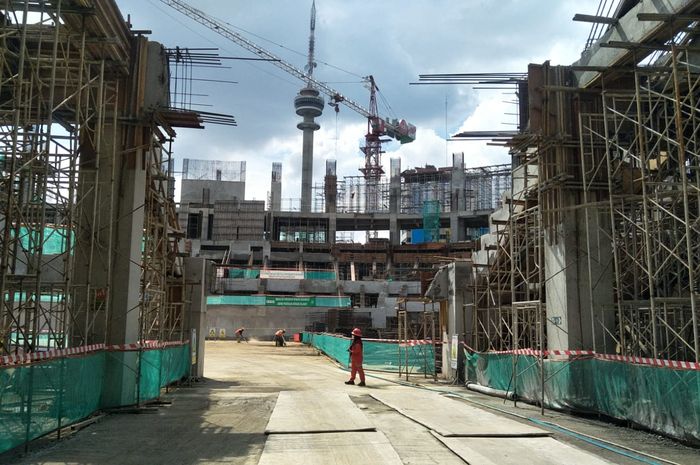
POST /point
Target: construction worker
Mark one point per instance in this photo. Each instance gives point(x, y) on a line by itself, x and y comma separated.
point(356, 358)
point(279, 338)
point(239, 335)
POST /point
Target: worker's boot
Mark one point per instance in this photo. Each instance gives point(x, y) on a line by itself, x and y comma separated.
point(362, 383)
point(350, 382)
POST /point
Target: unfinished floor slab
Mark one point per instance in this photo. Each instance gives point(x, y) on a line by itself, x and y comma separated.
point(316, 412)
point(517, 451)
point(367, 448)
point(451, 418)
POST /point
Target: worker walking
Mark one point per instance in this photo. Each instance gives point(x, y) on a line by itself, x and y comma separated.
point(239, 335)
point(279, 338)
point(356, 358)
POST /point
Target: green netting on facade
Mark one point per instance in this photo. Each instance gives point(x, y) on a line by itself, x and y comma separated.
point(661, 399)
point(36, 399)
point(382, 356)
point(243, 273)
point(324, 275)
point(54, 239)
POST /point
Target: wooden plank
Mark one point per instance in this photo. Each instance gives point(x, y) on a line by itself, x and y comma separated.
point(316, 412)
point(518, 451)
point(366, 448)
point(452, 418)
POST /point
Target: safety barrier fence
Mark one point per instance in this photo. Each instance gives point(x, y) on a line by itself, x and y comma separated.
point(659, 395)
point(44, 392)
point(378, 354)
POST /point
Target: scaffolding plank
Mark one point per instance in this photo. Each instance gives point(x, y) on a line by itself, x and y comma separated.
point(367, 448)
point(316, 412)
point(451, 418)
point(518, 451)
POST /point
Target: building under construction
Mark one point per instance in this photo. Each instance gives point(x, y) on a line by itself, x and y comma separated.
point(567, 279)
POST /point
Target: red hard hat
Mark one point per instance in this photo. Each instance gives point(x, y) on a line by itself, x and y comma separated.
point(357, 332)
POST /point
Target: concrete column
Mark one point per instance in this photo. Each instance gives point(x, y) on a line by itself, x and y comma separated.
point(196, 296)
point(456, 233)
point(395, 186)
point(394, 231)
point(457, 183)
point(332, 228)
point(569, 291)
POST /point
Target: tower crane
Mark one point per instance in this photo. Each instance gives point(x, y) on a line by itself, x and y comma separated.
point(399, 130)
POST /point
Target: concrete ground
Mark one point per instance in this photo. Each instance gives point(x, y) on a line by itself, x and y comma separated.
point(222, 418)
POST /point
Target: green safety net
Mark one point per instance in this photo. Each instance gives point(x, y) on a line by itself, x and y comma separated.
point(54, 239)
point(660, 399)
point(39, 398)
point(324, 275)
point(383, 356)
point(243, 273)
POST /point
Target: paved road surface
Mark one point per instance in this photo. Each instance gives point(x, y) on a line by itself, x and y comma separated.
point(223, 418)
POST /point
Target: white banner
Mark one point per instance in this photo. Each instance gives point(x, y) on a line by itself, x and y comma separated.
point(281, 274)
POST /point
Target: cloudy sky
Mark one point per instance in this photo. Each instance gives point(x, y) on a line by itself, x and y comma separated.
point(394, 41)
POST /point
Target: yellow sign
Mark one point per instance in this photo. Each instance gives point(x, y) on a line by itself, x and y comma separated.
point(212, 332)
point(222, 333)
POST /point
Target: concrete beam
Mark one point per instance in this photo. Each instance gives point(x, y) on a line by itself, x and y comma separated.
point(629, 29)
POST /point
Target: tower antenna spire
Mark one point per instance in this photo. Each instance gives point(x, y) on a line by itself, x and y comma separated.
point(312, 41)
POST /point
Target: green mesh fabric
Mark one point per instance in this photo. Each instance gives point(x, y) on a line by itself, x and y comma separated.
point(661, 399)
point(36, 399)
point(382, 356)
point(324, 275)
point(243, 273)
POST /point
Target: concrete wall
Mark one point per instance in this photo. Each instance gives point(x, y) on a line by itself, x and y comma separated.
point(191, 190)
point(260, 322)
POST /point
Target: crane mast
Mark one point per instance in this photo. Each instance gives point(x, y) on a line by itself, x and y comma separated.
point(399, 130)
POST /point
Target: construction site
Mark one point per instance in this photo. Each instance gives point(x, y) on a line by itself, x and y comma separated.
point(541, 311)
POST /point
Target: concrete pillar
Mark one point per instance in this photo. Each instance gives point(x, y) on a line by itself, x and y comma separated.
point(394, 231)
point(330, 187)
point(457, 183)
point(572, 318)
point(276, 188)
point(395, 186)
point(332, 228)
point(196, 298)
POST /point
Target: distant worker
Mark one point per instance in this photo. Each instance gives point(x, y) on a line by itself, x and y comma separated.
point(279, 338)
point(356, 358)
point(239, 335)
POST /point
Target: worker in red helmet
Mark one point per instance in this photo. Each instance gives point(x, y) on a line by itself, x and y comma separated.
point(356, 358)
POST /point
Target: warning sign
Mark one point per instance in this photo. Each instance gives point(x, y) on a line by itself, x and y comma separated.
point(222, 333)
point(212, 332)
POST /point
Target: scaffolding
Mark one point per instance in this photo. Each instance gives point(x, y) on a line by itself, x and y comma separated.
point(640, 157)
point(58, 101)
point(474, 189)
point(617, 164)
point(213, 170)
point(62, 154)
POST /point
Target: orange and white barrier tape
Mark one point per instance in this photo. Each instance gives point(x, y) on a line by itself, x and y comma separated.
point(678, 364)
point(21, 359)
